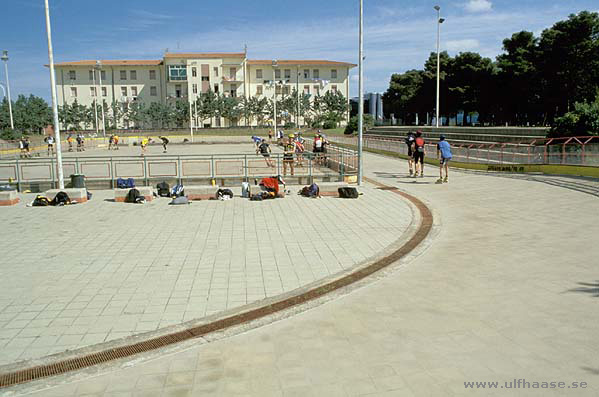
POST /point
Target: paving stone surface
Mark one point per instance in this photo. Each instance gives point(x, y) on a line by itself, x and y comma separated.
point(90, 273)
point(507, 290)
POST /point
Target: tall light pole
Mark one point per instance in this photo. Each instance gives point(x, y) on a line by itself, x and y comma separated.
point(98, 67)
point(54, 101)
point(439, 22)
point(360, 93)
point(274, 65)
point(95, 99)
point(5, 59)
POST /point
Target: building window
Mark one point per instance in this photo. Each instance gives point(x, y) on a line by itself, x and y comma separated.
point(178, 90)
point(133, 91)
point(72, 75)
point(91, 75)
point(307, 89)
point(194, 87)
point(133, 74)
point(259, 73)
point(233, 90)
point(194, 72)
point(216, 71)
point(286, 90)
point(152, 75)
point(177, 72)
point(316, 73)
point(92, 91)
point(153, 91)
point(259, 90)
point(104, 91)
point(123, 75)
point(306, 73)
point(233, 74)
point(216, 88)
point(205, 78)
point(74, 92)
point(277, 73)
point(287, 73)
point(124, 91)
point(334, 88)
point(316, 90)
point(103, 75)
point(278, 90)
point(333, 73)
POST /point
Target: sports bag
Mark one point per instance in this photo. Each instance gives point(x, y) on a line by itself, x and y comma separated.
point(224, 194)
point(348, 192)
point(245, 189)
point(40, 201)
point(420, 144)
point(61, 198)
point(125, 183)
point(164, 189)
point(134, 196)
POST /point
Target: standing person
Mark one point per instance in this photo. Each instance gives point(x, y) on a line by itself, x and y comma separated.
point(444, 156)
point(26, 144)
point(111, 142)
point(299, 149)
point(270, 136)
point(288, 151)
point(410, 144)
point(419, 153)
point(80, 143)
point(144, 145)
point(22, 147)
point(116, 142)
point(164, 142)
point(317, 149)
point(280, 137)
point(264, 149)
point(50, 141)
point(70, 141)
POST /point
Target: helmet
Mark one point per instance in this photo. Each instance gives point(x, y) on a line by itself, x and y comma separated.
point(291, 136)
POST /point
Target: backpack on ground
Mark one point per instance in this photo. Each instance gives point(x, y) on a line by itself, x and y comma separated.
point(310, 191)
point(122, 183)
point(420, 144)
point(177, 190)
point(348, 192)
point(61, 198)
point(134, 196)
point(40, 201)
point(256, 197)
point(245, 189)
point(180, 201)
point(164, 189)
point(224, 194)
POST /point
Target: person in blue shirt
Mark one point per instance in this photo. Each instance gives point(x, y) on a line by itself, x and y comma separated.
point(444, 156)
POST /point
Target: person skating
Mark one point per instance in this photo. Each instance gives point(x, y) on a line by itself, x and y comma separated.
point(410, 144)
point(265, 150)
point(164, 142)
point(419, 152)
point(444, 156)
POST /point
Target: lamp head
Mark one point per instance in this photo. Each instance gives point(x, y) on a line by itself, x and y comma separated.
point(4, 56)
point(274, 63)
point(441, 20)
point(98, 65)
point(437, 8)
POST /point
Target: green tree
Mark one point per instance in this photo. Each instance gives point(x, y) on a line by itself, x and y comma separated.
point(229, 109)
point(137, 115)
point(180, 113)
point(207, 105)
point(582, 120)
point(116, 112)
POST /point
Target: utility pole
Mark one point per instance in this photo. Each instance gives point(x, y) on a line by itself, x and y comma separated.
point(439, 22)
point(361, 94)
point(95, 99)
point(5, 59)
point(99, 69)
point(54, 101)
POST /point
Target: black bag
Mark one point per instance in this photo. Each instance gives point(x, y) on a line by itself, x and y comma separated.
point(164, 190)
point(348, 192)
point(61, 198)
point(256, 197)
point(221, 193)
point(134, 196)
point(40, 201)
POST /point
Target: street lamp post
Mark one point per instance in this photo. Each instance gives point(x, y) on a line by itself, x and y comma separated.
point(95, 99)
point(274, 65)
point(360, 93)
point(54, 100)
point(439, 22)
point(5, 59)
point(98, 67)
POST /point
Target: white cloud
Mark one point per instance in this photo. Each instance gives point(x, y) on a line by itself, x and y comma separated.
point(462, 45)
point(478, 6)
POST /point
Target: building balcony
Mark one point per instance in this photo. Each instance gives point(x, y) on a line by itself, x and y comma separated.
point(231, 80)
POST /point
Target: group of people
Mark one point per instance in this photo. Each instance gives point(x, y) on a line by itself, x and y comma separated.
point(70, 140)
point(24, 146)
point(417, 150)
point(293, 149)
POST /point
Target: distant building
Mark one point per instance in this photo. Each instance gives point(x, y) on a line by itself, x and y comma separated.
point(185, 76)
point(373, 104)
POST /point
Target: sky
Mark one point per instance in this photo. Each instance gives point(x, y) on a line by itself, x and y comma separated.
point(398, 34)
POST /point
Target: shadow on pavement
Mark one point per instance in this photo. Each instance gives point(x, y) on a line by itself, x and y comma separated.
point(588, 288)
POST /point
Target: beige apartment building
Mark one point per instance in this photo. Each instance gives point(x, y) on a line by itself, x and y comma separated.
point(185, 76)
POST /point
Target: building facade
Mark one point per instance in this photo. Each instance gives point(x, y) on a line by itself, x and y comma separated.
point(186, 76)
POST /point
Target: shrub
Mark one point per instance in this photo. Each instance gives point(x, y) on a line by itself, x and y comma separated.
point(352, 126)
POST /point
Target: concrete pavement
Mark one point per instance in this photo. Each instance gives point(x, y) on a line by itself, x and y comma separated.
point(507, 290)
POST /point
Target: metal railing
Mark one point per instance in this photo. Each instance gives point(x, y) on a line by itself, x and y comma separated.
point(147, 170)
point(567, 150)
